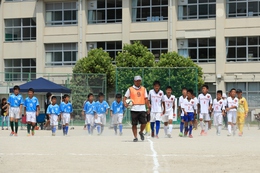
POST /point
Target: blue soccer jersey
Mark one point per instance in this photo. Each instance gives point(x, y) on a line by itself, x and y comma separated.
point(89, 108)
point(66, 107)
point(53, 109)
point(31, 104)
point(15, 100)
point(117, 108)
point(101, 108)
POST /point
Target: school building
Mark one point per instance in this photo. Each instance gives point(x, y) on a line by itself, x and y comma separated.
point(48, 36)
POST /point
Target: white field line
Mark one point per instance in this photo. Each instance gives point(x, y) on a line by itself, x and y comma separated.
point(155, 159)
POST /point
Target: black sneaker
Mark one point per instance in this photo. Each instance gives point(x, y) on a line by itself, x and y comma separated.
point(141, 136)
point(135, 140)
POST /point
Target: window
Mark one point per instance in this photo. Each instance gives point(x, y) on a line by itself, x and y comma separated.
point(199, 50)
point(61, 54)
point(105, 11)
point(20, 69)
point(246, 8)
point(62, 13)
point(197, 9)
point(20, 29)
point(251, 91)
point(243, 49)
point(17, 0)
point(149, 10)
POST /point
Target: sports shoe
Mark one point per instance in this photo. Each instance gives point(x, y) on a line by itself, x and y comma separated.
point(15, 134)
point(84, 128)
point(180, 134)
point(6, 129)
point(185, 133)
point(32, 132)
point(141, 136)
point(190, 136)
point(169, 135)
point(234, 132)
point(202, 132)
point(135, 140)
point(240, 133)
point(152, 135)
point(120, 133)
point(28, 134)
point(157, 137)
point(229, 134)
point(53, 134)
point(2, 128)
point(218, 134)
point(12, 133)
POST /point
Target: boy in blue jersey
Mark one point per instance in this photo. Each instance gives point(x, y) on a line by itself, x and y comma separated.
point(66, 111)
point(89, 113)
point(100, 109)
point(15, 103)
point(53, 111)
point(31, 110)
point(117, 113)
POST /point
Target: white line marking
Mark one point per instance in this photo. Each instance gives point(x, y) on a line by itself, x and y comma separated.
point(155, 159)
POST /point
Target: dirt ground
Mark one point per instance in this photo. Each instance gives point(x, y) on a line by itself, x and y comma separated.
point(80, 152)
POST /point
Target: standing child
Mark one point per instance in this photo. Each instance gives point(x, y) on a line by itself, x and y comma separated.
point(89, 107)
point(181, 113)
point(66, 112)
point(4, 113)
point(189, 108)
point(195, 121)
point(204, 105)
point(169, 101)
point(53, 111)
point(15, 102)
point(231, 108)
point(101, 110)
point(117, 113)
point(241, 111)
point(156, 100)
point(224, 97)
point(31, 110)
point(219, 111)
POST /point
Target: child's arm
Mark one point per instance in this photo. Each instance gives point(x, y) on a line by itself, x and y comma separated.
point(163, 103)
point(38, 110)
point(24, 111)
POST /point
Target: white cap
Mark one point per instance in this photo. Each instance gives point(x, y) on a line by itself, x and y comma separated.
point(224, 95)
point(137, 78)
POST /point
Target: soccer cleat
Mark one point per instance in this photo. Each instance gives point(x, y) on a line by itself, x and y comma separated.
point(229, 134)
point(28, 134)
point(53, 134)
point(190, 136)
point(218, 134)
point(141, 136)
point(152, 134)
point(15, 134)
point(202, 132)
point(6, 129)
point(12, 133)
point(180, 134)
point(169, 135)
point(120, 133)
point(84, 128)
point(135, 140)
point(185, 134)
point(240, 134)
point(32, 132)
point(157, 137)
point(2, 128)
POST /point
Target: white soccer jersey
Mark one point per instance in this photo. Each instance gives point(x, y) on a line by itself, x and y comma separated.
point(225, 102)
point(156, 100)
point(205, 101)
point(181, 98)
point(232, 102)
point(189, 105)
point(196, 100)
point(218, 105)
point(169, 102)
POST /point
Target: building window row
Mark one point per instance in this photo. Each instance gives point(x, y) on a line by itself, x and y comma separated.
point(246, 8)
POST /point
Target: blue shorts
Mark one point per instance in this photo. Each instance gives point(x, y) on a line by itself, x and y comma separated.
point(189, 117)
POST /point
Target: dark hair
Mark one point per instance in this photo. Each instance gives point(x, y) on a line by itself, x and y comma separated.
point(233, 89)
point(31, 89)
point(48, 94)
point(53, 97)
point(3, 99)
point(220, 92)
point(90, 94)
point(62, 97)
point(16, 87)
point(206, 86)
point(184, 88)
point(168, 87)
point(118, 96)
point(156, 83)
point(65, 96)
point(190, 91)
point(101, 94)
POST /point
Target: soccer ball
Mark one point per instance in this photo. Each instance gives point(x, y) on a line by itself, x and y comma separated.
point(129, 102)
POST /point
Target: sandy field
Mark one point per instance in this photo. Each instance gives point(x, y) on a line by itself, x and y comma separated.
point(79, 152)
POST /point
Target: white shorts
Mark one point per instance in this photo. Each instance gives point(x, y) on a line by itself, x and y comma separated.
point(232, 117)
point(205, 116)
point(89, 119)
point(100, 119)
point(155, 116)
point(31, 117)
point(65, 118)
point(167, 116)
point(54, 120)
point(117, 119)
point(14, 112)
point(218, 118)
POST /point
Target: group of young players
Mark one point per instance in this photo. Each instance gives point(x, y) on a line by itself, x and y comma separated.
point(161, 107)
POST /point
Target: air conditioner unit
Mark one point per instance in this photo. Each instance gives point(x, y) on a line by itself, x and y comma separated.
point(182, 2)
point(92, 5)
point(92, 46)
point(182, 43)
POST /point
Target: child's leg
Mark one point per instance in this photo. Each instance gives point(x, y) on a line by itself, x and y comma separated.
point(152, 126)
point(158, 123)
point(16, 126)
point(115, 128)
point(89, 128)
point(170, 127)
point(3, 120)
point(98, 129)
point(190, 128)
point(181, 125)
point(166, 128)
point(28, 127)
point(8, 121)
point(67, 128)
point(121, 128)
point(148, 127)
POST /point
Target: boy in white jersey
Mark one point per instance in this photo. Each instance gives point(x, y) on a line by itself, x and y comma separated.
point(181, 113)
point(167, 118)
point(219, 111)
point(224, 97)
point(231, 108)
point(195, 121)
point(189, 108)
point(204, 106)
point(156, 101)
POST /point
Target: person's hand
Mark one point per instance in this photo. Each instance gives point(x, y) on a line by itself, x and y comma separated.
point(126, 105)
point(185, 113)
point(148, 111)
point(227, 109)
point(163, 112)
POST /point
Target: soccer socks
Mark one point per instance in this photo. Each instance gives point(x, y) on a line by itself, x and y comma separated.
point(219, 128)
point(157, 127)
point(206, 126)
point(190, 130)
point(234, 128)
point(12, 126)
point(152, 126)
point(165, 129)
point(148, 127)
point(16, 127)
point(201, 125)
point(186, 129)
point(28, 128)
point(115, 128)
point(181, 127)
point(98, 129)
point(53, 129)
point(66, 129)
point(89, 130)
point(170, 129)
point(229, 128)
point(102, 128)
point(33, 126)
point(120, 128)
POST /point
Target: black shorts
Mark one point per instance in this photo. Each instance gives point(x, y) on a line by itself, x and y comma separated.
point(148, 118)
point(138, 117)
